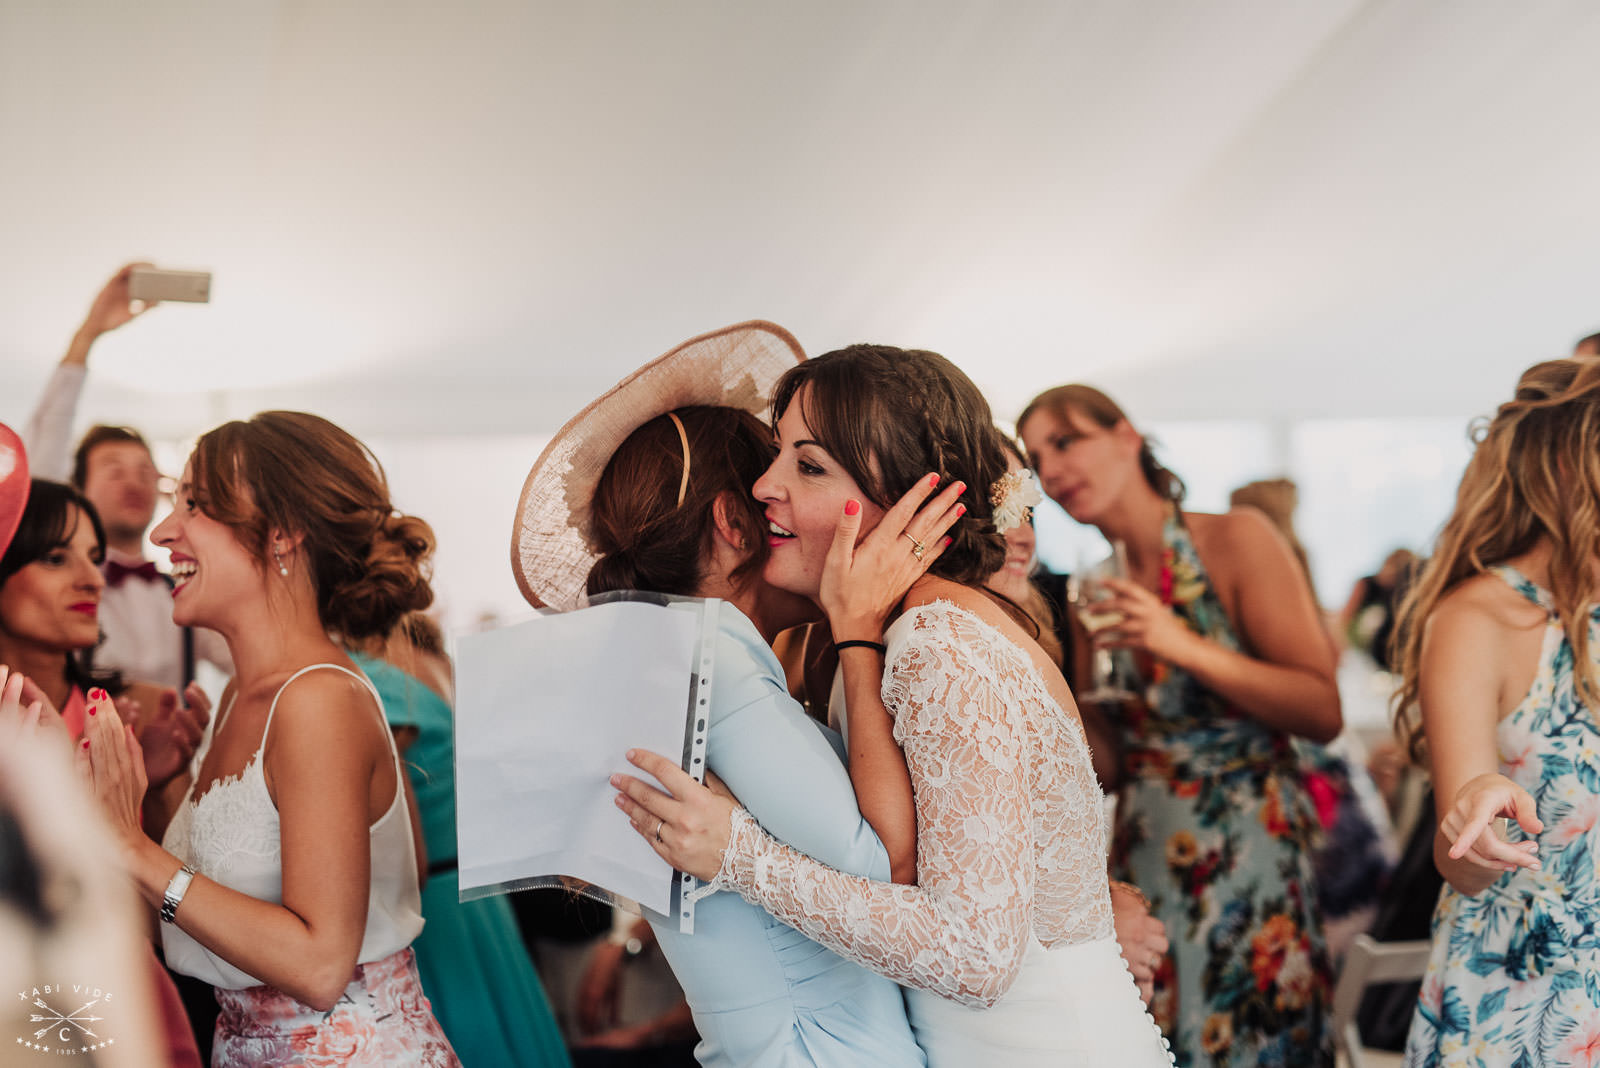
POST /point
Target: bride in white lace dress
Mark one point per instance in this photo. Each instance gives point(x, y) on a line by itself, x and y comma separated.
point(1005, 942)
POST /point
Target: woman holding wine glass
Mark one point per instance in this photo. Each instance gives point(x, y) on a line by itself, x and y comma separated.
point(1213, 822)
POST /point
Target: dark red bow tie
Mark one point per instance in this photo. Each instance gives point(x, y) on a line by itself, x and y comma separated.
point(116, 572)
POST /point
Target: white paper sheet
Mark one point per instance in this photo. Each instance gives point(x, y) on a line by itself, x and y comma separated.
point(545, 710)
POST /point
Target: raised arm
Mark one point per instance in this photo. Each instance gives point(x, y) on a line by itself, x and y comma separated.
point(48, 432)
point(961, 931)
point(864, 580)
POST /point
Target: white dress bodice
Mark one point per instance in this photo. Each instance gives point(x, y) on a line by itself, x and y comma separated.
point(231, 835)
point(1011, 869)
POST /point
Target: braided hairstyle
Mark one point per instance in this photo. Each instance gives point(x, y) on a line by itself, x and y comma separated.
point(889, 416)
point(1534, 474)
point(299, 474)
point(649, 540)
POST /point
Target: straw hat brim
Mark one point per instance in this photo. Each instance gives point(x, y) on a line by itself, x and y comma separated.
point(14, 485)
point(737, 367)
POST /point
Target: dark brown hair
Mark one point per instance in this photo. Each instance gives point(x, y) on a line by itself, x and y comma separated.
point(646, 539)
point(96, 436)
point(299, 474)
point(890, 416)
point(1102, 411)
point(48, 524)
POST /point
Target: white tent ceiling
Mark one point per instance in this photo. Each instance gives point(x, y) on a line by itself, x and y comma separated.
point(471, 218)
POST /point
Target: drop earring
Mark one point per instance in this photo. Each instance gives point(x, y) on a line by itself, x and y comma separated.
point(283, 569)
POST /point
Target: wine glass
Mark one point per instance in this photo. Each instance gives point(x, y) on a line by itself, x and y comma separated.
point(1088, 597)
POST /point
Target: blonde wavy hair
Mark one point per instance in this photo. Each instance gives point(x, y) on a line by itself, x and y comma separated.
point(1535, 473)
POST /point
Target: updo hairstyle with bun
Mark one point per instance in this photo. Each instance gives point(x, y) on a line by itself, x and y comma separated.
point(300, 474)
point(646, 538)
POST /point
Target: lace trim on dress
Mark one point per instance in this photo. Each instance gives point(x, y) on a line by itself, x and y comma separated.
point(1010, 841)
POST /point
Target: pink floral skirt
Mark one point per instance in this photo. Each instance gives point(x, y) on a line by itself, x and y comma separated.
point(382, 1018)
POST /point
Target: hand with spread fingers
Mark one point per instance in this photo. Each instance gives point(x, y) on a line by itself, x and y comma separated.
point(112, 762)
point(1469, 825)
point(1146, 623)
point(863, 581)
point(688, 826)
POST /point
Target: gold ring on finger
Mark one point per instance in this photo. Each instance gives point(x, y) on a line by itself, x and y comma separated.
point(659, 825)
point(917, 548)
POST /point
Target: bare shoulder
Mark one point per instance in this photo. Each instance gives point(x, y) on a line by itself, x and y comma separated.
point(327, 708)
point(1241, 532)
point(1483, 607)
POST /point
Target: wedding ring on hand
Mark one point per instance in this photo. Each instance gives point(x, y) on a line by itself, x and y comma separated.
point(917, 548)
point(659, 825)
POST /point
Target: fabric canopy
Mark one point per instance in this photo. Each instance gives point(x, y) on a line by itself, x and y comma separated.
point(474, 218)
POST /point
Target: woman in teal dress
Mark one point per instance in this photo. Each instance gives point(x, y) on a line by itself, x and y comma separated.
point(470, 957)
point(1213, 820)
point(1499, 655)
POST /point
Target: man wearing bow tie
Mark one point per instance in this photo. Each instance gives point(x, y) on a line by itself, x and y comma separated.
point(114, 469)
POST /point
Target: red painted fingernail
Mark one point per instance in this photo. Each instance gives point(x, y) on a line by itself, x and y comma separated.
point(947, 542)
point(961, 487)
point(852, 507)
point(91, 710)
point(933, 480)
point(86, 743)
point(961, 509)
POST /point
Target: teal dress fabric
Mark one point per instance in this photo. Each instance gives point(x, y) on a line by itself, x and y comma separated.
point(1215, 824)
point(1515, 974)
point(763, 994)
point(470, 955)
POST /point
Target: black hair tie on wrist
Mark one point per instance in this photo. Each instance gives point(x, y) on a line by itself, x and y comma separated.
point(859, 643)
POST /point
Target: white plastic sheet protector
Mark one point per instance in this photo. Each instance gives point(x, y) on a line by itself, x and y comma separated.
point(545, 711)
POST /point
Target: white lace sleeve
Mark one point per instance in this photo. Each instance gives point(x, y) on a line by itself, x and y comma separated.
point(961, 931)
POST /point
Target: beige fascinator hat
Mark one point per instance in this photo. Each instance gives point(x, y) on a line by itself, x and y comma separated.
point(736, 367)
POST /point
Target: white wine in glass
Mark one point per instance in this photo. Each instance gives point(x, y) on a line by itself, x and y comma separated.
point(1089, 599)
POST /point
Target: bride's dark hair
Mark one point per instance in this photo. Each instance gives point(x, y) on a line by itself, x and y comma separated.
point(889, 416)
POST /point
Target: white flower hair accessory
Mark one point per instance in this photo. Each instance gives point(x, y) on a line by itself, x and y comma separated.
point(1013, 495)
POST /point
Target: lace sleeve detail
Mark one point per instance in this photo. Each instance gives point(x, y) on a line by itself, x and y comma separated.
point(961, 931)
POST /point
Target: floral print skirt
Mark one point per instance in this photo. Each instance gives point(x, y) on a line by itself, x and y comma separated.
point(1226, 863)
point(381, 1019)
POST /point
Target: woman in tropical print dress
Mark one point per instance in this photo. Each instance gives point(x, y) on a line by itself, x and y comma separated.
point(1499, 644)
point(1214, 822)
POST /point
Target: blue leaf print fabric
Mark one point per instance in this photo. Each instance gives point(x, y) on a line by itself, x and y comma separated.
point(1515, 974)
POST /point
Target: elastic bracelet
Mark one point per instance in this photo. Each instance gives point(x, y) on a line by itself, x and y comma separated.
point(860, 643)
point(174, 895)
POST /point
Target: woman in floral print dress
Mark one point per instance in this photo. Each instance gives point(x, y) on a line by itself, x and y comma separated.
point(1214, 823)
point(1499, 644)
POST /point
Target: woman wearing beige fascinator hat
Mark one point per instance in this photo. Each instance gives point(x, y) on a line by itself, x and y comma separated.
point(1005, 944)
point(649, 488)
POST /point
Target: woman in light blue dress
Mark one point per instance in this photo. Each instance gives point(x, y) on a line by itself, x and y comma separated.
point(672, 513)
